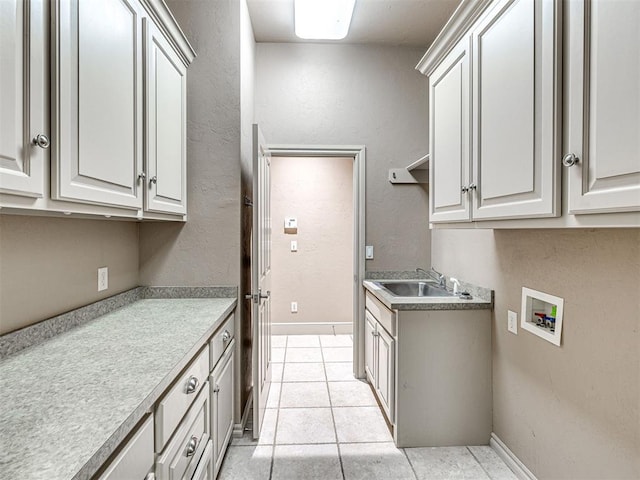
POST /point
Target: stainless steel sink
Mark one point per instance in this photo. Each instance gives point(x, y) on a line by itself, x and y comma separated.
point(414, 288)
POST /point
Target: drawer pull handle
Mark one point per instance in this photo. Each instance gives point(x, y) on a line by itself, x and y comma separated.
point(191, 446)
point(192, 385)
point(226, 336)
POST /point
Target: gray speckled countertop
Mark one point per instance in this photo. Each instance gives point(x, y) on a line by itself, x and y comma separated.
point(482, 299)
point(67, 403)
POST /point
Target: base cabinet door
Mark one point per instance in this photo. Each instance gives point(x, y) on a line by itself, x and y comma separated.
point(205, 466)
point(369, 346)
point(23, 101)
point(222, 396)
point(602, 156)
point(385, 368)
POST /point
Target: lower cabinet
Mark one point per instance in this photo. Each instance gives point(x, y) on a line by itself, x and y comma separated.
point(222, 400)
point(135, 459)
point(380, 363)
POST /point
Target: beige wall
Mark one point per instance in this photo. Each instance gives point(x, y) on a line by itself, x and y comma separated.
point(49, 266)
point(319, 276)
point(317, 94)
point(570, 412)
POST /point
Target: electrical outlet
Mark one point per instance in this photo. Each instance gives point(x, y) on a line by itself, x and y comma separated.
point(368, 252)
point(294, 307)
point(103, 278)
point(294, 246)
point(512, 322)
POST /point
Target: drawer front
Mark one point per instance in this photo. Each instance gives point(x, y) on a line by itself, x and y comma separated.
point(383, 315)
point(136, 458)
point(221, 340)
point(177, 401)
point(180, 458)
point(205, 467)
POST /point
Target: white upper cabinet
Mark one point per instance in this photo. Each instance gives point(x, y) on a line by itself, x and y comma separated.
point(23, 97)
point(98, 102)
point(449, 115)
point(516, 90)
point(604, 106)
point(166, 106)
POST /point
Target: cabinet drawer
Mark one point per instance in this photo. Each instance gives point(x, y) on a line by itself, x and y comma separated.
point(180, 459)
point(136, 457)
point(176, 402)
point(205, 467)
point(383, 315)
point(221, 339)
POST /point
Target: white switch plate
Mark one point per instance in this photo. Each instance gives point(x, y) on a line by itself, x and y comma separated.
point(512, 322)
point(103, 278)
point(294, 246)
point(294, 307)
point(368, 252)
point(290, 222)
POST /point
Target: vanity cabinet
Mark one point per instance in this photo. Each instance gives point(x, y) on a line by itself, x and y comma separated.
point(24, 126)
point(379, 363)
point(135, 460)
point(222, 401)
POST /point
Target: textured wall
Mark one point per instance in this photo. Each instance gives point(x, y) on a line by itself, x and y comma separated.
point(50, 265)
point(569, 412)
point(319, 193)
point(205, 250)
point(351, 94)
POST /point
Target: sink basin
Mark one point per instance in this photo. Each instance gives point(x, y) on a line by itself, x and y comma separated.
point(414, 288)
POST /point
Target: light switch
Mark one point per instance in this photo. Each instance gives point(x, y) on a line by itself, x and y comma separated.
point(290, 222)
point(294, 246)
point(294, 307)
point(368, 252)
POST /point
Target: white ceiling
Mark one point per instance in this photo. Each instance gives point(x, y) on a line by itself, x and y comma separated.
point(384, 22)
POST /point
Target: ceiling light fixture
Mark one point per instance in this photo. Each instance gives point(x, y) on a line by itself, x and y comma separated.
point(323, 19)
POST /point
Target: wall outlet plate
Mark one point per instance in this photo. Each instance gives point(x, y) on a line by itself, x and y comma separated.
point(512, 322)
point(103, 278)
point(294, 245)
point(368, 252)
point(294, 307)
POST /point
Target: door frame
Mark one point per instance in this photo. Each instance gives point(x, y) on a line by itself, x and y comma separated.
point(357, 152)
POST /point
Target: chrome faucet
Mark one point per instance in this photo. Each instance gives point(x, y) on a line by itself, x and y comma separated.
point(435, 275)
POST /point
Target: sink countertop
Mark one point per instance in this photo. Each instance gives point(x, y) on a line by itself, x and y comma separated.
point(482, 298)
point(66, 404)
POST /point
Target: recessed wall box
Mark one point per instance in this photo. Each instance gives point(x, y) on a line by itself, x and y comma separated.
point(542, 315)
point(290, 225)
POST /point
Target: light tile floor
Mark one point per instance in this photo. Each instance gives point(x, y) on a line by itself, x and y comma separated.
point(322, 423)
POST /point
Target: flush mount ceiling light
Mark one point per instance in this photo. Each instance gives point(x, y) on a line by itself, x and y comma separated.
point(323, 19)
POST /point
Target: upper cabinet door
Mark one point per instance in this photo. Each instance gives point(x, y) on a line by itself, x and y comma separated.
point(516, 122)
point(449, 140)
point(98, 102)
point(604, 106)
point(166, 116)
point(23, 101)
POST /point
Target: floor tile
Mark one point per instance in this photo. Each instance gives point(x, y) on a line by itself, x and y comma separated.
point(361, 424)
point(303, 372)
point(276, 372)
point(306, 462)
point(274, 395)
point(336, 341)
point(277, 355)
point(297, 341)
point(339, 371)
point(304, 394)
point(245, 439)
point(305, 426)
point(278, 341)
point(306, 355)
point(369, 461)
point(351, 394)
point(337, 354)
point(492, 463)
point(241, 463)
point(444, 463)
point(268, 430)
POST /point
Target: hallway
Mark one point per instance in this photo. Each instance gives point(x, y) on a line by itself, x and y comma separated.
point(323, 424)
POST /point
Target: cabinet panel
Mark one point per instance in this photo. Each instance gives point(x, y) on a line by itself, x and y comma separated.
point(136, 458)
point(604, 106)
point(516, 78)
point(166, 125)
point(222, 405)
point(449, 137)
point(98, 102)
point(369, 346)
point(385, 367)
point(23, 101)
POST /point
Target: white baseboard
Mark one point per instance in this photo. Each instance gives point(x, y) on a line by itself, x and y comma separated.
point(339, 328)
point(513, 462)
point(238, 428)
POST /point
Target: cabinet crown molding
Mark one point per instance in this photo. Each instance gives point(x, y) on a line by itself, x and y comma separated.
point(457, 26)
point(167, 23)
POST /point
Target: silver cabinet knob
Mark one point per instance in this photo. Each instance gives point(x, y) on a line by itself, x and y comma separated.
point(42, 141)
point(153, 180)
point(569, 160)
point(216, 389)
point(142, 176)
point(472, 186)
point(226, 336)
point(192, 384)
point(464, 189)
point(191, 446)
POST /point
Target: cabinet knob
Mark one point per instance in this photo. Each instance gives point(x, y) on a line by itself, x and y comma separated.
point(42, 141)
point(226, 336)
point(569, 160)
point(216, 389)
point(153, 180)
point(472, 186)
point(192, 384)
point(191, 446)
point(142, 176)
point(464, 189)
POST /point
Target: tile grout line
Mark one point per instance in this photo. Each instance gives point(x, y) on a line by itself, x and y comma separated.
point(333, 419)
point(478, 461)
point(415, 474)
point(275, 429)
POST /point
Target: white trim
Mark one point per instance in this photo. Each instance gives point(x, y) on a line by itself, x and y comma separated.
point(359, 185)
point(311, 328)
point(238, 428)
point(166, 22)
point(520, 469)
